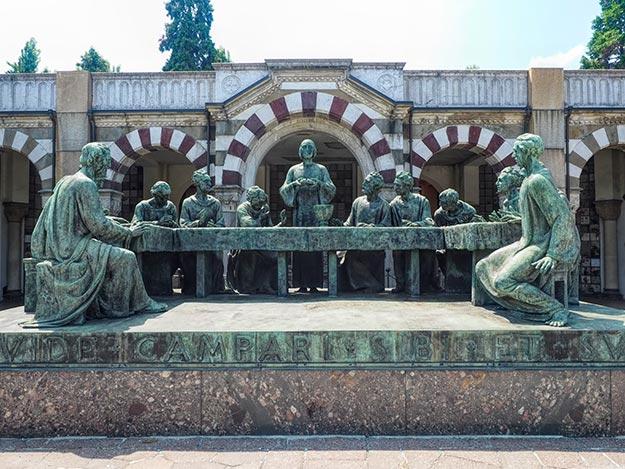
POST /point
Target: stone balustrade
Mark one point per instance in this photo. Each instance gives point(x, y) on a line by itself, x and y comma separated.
point(594, 88)
point(152, 91)
point(435, 89)
point(27, 92)
point(467, 89)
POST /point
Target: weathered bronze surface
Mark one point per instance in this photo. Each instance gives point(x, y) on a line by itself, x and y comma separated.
point(336, 333)
point(82, 269)
point(515, 276)
point(307, 184)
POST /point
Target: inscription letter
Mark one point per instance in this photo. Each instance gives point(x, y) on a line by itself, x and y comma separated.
point(177, 351)
point(55, 349)
point(422, 348)
point(271, 351)
point(301, 348)
point(145, 349)
point(210, 349)
point(244, 348)
point(379, 348)
point(87, 349)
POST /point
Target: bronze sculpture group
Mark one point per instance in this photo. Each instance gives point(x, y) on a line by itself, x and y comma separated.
point(86, 270)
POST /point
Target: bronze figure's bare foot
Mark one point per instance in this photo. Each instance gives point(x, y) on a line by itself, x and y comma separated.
point(559, 319)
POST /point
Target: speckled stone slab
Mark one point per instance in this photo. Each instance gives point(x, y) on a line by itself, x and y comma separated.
point(64, 403)
point(359, 402)
point(539, 402)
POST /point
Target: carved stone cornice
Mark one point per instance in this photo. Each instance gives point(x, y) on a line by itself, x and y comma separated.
point(600, 118)
point(468, 117)
point(25, 121)
point(134, 120)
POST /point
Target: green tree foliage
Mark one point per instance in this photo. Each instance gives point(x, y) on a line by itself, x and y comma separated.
point(28, 61)
point(92, 61)
point(606, 48)
point(188, 36)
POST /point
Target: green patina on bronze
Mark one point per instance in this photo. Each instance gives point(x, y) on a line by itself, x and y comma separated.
point(335, 349)
point(82, 269)
point(508, 184)
point(514, 275)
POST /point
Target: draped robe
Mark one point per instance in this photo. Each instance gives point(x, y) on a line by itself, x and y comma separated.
point(364, 270)
point(548, 229)
point(83, 271)
point(416, 210)
point(253, 271)
point(191, 208)
point(307, 266)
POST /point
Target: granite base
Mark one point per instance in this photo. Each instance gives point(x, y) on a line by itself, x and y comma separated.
point(308, 402)
point(363, 366)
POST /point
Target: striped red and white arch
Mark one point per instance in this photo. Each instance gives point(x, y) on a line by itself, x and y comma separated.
point(128, 148)
point(495, 149)
point(307, 104)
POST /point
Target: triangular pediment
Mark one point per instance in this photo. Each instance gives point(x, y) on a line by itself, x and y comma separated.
point(285, 77)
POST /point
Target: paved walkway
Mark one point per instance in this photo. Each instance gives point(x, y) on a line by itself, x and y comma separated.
point(313, 452)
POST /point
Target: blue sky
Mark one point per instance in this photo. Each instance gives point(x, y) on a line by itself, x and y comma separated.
point(426, 34)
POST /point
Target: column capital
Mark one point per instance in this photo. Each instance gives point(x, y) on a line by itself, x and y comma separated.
point(608, 209)
point(15, 211)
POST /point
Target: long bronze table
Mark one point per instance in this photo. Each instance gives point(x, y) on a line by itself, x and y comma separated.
point(479, 238)
point(285, 240)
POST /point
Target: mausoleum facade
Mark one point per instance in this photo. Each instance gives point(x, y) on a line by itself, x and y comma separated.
point(245, 122)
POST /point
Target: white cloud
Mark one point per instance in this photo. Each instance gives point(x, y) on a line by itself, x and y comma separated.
point(569, 59)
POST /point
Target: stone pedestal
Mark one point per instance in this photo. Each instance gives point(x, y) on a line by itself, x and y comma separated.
point(609, 211)
point(14, 213)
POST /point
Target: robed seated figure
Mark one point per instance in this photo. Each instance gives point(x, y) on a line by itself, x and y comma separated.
point(413, 210)
point(453, 211)
point(364, 270)
point(508, 184)
point(514, 275)
point(202, 210)
point(254, 271)
point(455, 264)
point(158, 267)
point(84, 270)
point(307, 184)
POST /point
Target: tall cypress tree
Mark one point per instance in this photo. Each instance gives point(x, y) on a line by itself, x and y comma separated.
point(606, 48)
point(28, 61)
point(188, 36)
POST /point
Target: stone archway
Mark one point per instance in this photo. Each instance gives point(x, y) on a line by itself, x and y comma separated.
point(480, 140)
point(33, 150)
point(306, 105)
point(130, 147)
point(269, 140)
point(589, 145)
point(594, 171)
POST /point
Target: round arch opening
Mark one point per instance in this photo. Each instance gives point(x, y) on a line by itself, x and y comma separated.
point(160, 165)
point(345, 156)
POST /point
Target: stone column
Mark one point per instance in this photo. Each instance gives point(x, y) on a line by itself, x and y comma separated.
point(230, 198)
point(14, 213)
point(609, 211)
point(112, 201)
point(73, 102)
point(546, 97)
